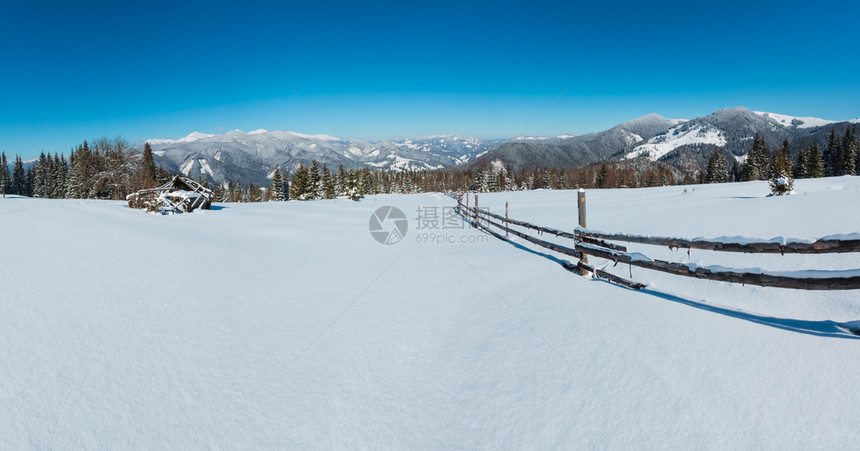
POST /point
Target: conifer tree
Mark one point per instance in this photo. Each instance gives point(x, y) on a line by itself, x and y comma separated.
point(855, 144)
point(299, 183)
point(227, 196)
point(340, 181)
point(329, 186)
point(781, 181)
point(495, 182)
point(801, 165)
point(366, 182)
point(735, 171)
point(717, 169)
point(314, 181)
point(832, 158)
point(758, 160)
point(39, 182)
point(325, 175)
point(162, 176)
point(254, 194)
point(28, 182)
point(58, 190)
point(5, 177)
point(239, 194)
point(814, 160)
point(849, 152)
point(278, 186)
point(19, 177)
point(353, 190)
point(147, 167)
point(782, 160)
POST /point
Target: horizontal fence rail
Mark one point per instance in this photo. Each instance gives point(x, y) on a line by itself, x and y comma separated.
point(822, 246)
point(841, 280)
point(594, 243)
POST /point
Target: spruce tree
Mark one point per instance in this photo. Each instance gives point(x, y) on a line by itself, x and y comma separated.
point(781, 181)
point(855, 144)
point(340, 181)
point(228, 192)
point(64, 176)
point(832, 158)
point(325, 175)
point(147, 167)
point(782, 160)
point(29, 182)
point(19, 177)
point(717, 169)
point(366, 182)
point(5, 178)
point(254, 194)
point(849, 153)
point(314, 181)
point(801, 165)
point(329, 186)
point(353, 190)
point(278, 185)
point(299, 184)
point(814, 160)
point(758, 160)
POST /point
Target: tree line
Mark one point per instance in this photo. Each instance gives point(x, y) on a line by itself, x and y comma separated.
point(112, 169)
point(839, 157)
point(103, 169)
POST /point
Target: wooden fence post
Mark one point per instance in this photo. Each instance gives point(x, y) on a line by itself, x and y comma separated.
point(506, 220)
point(580, 202)
point(476, 210)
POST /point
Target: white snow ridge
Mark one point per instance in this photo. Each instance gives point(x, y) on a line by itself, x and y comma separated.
point(791, 121)
point(661, 145)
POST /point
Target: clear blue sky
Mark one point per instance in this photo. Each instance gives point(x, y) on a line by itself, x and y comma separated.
point(374, 70)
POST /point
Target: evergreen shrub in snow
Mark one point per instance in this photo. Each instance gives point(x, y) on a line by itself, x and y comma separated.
point(781, 184)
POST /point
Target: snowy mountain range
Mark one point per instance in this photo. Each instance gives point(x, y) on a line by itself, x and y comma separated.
point(252, 156)
point(680, 142)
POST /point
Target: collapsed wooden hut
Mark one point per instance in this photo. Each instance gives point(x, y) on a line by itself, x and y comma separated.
point(179, 195)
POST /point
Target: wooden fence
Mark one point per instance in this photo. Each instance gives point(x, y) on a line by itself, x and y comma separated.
point(591, 242)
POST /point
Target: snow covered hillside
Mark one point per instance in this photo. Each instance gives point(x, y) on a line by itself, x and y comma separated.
point(287, 326)
point(252, 156)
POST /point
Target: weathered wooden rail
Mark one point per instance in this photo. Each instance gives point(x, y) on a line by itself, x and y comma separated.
point(822, 246)
point(594, 243)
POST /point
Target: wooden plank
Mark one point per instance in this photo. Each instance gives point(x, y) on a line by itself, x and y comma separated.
point(601, 274)
point(602, 243)
point(490, 231)
point(538, 241)
point(551, 231)
point(764, 280)
point(817, 247)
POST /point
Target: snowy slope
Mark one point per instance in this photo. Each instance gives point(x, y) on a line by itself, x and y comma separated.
point(661, 145)
point(287, 326)
point(799, 122)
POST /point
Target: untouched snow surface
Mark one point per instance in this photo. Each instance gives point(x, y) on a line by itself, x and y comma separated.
point(286, 326)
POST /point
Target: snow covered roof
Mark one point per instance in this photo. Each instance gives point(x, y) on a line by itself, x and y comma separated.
point(180, 194)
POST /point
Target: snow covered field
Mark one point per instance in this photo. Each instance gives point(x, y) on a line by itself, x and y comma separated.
point(288, 326)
